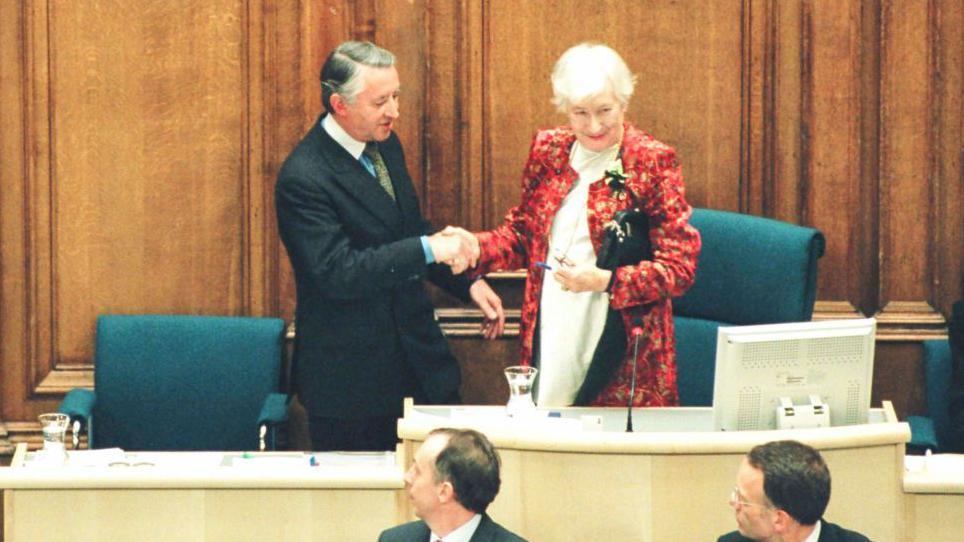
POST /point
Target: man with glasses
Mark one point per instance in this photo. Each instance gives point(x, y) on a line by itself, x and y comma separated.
point(782, 490)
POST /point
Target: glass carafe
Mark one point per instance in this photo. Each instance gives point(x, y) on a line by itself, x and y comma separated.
point(521, 380)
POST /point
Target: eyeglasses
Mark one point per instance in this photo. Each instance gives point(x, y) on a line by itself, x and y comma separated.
point(737, 499)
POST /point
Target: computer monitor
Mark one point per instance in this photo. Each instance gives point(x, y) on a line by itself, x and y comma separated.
point(757, 365)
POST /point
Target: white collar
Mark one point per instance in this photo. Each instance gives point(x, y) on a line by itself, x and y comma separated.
point(350, 144)
point(814, 535)
point(463, 533)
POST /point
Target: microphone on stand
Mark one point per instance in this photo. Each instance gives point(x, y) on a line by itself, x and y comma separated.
point(635, 332)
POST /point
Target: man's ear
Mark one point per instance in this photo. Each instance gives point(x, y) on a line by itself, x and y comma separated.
point(446, 493)
point(781, 521)
point(338, 104)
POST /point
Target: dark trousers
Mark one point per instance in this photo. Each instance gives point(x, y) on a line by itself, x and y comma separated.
point(353, 434)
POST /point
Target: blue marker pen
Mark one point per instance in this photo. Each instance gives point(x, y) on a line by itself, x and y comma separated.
point(544, 265)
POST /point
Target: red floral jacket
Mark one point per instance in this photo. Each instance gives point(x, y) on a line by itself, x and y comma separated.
point(654, 184)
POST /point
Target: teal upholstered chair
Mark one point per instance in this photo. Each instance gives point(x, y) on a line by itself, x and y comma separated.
point(930, 431)
point(169, 382)
point(752, 270)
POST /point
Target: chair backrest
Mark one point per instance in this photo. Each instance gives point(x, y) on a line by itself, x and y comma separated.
point(170, 382)
point(938, 379)
point(752, 270)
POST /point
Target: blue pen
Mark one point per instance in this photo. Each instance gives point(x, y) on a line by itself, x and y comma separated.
point(544, 265)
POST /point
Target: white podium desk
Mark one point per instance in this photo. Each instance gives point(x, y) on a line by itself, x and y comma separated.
point(934, 488)
point(670, 479)
point(207, 496)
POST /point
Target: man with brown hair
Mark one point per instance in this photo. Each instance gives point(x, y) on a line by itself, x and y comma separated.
point(454, 478)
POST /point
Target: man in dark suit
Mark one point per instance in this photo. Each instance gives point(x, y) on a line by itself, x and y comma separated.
point(453, 480)
point(366, 335)
point(782, 490)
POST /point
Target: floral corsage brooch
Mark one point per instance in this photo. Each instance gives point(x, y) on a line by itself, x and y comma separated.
point(615, 177)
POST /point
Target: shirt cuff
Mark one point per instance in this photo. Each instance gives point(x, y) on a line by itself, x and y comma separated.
point(427, 249)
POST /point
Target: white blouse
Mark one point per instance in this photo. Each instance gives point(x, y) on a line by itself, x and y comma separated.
point(570, 324)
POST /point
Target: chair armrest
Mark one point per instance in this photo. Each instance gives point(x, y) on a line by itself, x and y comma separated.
point(78, 404)
point(275, 409)
point(922, 434)
point(273, 413)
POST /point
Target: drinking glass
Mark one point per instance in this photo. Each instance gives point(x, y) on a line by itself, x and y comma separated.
point(54, 426)
point(521, 379)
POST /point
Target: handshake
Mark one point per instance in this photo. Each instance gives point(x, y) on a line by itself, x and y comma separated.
point(455, 247)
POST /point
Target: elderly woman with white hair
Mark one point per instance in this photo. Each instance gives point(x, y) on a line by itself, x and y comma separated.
point(575, 314)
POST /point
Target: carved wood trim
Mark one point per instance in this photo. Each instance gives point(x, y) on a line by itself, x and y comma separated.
point(472, 121)
point(835, 310)
point(910, 321)
point(806, 108)
point(907, 161)
point(468, 322)
point(6, 446)
point(60, 381)
point(254, 261)
point(759, 82)
point(38, 197)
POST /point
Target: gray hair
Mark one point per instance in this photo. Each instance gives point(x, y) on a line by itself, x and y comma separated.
point(340, 73)
point(588, 70)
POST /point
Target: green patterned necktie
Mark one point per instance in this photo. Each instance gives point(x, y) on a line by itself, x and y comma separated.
point(371, 151)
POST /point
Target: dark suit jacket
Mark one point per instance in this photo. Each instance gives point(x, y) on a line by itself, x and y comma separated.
point(418, 531)
point(366, 330)
point(828, 533)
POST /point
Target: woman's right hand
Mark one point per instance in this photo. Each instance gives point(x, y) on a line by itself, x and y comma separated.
point(585, 277)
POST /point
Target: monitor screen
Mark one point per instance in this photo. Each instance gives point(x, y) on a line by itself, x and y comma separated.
point(757, 365)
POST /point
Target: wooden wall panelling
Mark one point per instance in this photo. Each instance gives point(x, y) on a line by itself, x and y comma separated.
point(444, 186)
point(830, 147)
point(949, 123)
point(758, 98)
point(260, 237)
point(783, 199)
point(303, 34)
point(909, 145)
point(284, 118)
point(864, 255)
point(137, 183)
point(475, 201)
point(688, 63)
point(400, 27)
point(12, 166)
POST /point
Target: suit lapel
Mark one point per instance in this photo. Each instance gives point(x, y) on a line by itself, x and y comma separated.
point(352, 176)
point(483, 533)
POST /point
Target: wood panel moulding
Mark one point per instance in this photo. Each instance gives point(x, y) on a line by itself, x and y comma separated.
point(144, 186)
point(830, 141)
point(909, 139)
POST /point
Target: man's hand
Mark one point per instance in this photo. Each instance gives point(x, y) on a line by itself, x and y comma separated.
point(468, 237)
point(491, 304)
point(585, 277)
point(455, 250)
point(455, 247)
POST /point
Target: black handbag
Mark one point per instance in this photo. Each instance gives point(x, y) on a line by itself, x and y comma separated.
point(626, 241)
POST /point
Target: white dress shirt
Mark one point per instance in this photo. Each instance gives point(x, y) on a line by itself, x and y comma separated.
point(352, 145)
point(570, 324)
point(463, 533)
point(814, 536)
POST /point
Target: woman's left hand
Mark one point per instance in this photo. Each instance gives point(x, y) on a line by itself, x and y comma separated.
point(585, 277)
